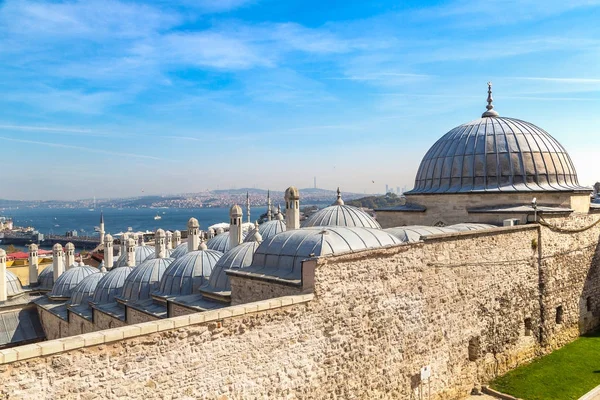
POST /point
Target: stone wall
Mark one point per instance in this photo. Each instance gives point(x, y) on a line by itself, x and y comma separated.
point(105, 321)
point(469, 305)
point(54, 326)
point(244, 290)
point(136, 316)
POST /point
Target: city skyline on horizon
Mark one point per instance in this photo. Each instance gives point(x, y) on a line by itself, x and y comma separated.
point(127, 98)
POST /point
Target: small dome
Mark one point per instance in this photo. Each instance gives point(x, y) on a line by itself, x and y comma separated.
point(235, 211)
point(267, 230)
point(64, 285)
point(342, 215)
point(13, 285)
point(219, 242)
point(468, 226)
point(144, 279)
point(110, 285)
point(179, 251)
point(283, 254)
point(186, 274)
point(46, 278)
point(108, 238)
point(83, 292)
point(141, 253)
point(236, 258)
point(292, 193)
point(57, 247)
point(413, 233)
point(69, 246)
point(168, 254)
point(33, 247)
point(193, 223)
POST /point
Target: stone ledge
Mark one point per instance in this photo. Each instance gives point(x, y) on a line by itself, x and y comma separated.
point(135, 330)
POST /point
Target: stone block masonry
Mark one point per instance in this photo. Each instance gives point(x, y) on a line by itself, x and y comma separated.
point(470, 305)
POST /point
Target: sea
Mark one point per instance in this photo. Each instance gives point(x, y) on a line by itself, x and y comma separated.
point(59, 221)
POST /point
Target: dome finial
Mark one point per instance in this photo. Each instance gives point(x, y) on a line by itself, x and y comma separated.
point(490, 107)
point(339, 200)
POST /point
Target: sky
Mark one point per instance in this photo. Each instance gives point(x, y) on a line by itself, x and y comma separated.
point(114, 98)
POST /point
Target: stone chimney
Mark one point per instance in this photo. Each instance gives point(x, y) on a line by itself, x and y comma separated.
point(108, 252)
point(69, 255)
point(292, 208)
point(159, 243)
point(130, 251)
point(193, 234)
point(235, 226)
point(57, 261)
point(3, 283)
point(33, 264)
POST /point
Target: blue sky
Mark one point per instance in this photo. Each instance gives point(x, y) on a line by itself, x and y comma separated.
point(112, 98)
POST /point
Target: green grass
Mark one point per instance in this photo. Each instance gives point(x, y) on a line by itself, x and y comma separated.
point(567, 373)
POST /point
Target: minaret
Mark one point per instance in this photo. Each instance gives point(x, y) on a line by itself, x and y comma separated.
point(159, 243)
point(490, 107)
point(57, 261)
point(130, 251)
point(235, 226)
point(176, 239)
point(292, 208)
point(33, 264)
point(108, 252)
point(269, 212)
point(69, 255)
point(193, 234)
point(338, 201)
point(3, 283)
point(124, 238)
point(248, 206)
point(169, 240)
point(101, 228)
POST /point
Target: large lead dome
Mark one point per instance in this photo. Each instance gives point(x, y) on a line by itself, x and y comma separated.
point(492, 154)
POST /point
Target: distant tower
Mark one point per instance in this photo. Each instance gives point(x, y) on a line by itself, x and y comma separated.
point(269, 211)
point(3, 284)
point(33, 264)
point(387, 189)
point(130, 251)
point(159, 243)
point(235, 226)
point(108, 252)
point(193, 234)
point(292, 208)
point(101, 228)
point(69, 255)
point(169, 240)
point(315, 185)
point(248, 206)
point(57, 261)
point(176, 239)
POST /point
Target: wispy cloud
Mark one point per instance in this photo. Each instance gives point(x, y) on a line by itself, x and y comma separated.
point(559, 80)
point(86, 149)
point(44, 129)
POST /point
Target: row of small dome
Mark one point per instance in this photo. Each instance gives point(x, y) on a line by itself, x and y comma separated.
point(203, 270)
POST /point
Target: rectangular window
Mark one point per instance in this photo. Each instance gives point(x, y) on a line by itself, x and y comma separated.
point(559, 314)
point(527, 326)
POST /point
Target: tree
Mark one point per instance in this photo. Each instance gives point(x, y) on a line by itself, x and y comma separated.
point(11, 249)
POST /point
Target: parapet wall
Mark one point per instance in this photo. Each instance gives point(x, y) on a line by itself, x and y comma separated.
point(469, 305)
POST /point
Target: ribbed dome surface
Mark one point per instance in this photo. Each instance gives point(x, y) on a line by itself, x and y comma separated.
point(110, 285)
point(83, 292)
point(219, 242)
point(46, 278)
point(13, 285)
point(341, 215)
point(64, 285)
point(186, 274)
point(168, 253)
point(267, 230)
point(179, 251)
point(413, 233)
point(285, 252)
point(144, 279)
point(496, 154)
point(141, 253)
point(236, 258)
